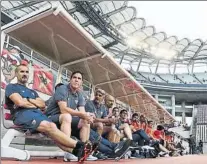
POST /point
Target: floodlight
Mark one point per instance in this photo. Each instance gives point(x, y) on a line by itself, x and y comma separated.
point(131, 42)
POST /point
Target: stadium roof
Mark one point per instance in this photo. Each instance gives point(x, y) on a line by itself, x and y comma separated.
point(116, 26)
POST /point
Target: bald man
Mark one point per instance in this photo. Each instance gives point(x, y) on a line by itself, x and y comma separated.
point(109, 102)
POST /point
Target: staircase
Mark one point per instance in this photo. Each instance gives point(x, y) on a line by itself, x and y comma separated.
point(181, 131)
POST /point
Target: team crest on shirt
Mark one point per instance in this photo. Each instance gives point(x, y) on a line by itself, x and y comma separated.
point(34, 122)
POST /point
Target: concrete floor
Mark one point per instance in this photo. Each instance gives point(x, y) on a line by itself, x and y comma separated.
point(188, 159)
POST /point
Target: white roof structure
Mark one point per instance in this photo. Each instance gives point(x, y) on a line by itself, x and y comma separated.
point(53, 33)
point(119, 29)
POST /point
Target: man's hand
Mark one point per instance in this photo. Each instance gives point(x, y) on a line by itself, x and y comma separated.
point(112, 120)
point(87, 117)
point(92, 114)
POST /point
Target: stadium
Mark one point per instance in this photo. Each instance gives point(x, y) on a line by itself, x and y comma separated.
point(147, 72)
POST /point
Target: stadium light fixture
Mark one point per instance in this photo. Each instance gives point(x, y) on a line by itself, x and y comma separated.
point(134, 42)
point(163, 53)
point(131, 42)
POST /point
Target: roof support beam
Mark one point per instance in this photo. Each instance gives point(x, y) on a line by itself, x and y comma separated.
point(81, 60)
point(105, 15)
point(192, 67)
point(110, 44)
point(110, 86)
point(174, 68)
point(122, 58)
point(54, 47)
point(129, 21)
point(197, 52)
point(132, 94)
point(89, 72)
point(111, 81)
point(140, 61)
point(158, 62)
point(23, 6)
point(5, 18)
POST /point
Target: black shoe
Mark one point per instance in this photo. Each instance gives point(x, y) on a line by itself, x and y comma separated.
point(119, 146)
point(100, 155)
point(134, 145)
point(122, 150)
point(83, 152)
point(137, 155)
point(95, 144)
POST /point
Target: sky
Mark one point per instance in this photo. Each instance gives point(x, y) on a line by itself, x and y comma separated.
point(185, 19)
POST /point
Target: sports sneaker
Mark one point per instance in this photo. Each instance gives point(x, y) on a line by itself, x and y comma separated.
point(95, 144)
point(83, 152)
point(91, 158)
point(162, 154)
point(134, 145)
point(137, 155)
point(100, 155)
point(68, 157)
point(119, 146)
point(122, 150)
point(147, 147)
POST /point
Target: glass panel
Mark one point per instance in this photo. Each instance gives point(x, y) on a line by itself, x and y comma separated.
point(144, 68)
point(181, 69)
point(200, 68)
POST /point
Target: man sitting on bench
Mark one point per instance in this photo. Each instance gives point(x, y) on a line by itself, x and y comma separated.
point(25, 105)
point(68, 99)
point(97, 107)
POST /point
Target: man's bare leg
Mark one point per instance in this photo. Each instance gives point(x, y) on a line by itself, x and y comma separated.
point(65, 122)
point(84, 131)
point(127, 131)
point(99, 126)
point(163, 148)
point(61, 138)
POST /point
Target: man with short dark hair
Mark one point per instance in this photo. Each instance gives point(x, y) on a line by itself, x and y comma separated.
point(123, 126)
point(25, 105)
point(68, 99)
point(137, 128)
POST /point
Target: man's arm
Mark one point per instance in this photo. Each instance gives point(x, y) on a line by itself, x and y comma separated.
point(38, 102)
point(132, 128)
point(64, 109)
point(103, 120)
point(82, 114)
point(21, 102)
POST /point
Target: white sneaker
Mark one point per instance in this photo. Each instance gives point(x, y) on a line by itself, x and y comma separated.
point(148, 147)
point(69, 157)
point(91, 158)
point(163, 154)
point(167, 155)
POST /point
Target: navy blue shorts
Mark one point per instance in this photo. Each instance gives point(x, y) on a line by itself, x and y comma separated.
point(30, 119)
point(74, 125)
point(56, 119)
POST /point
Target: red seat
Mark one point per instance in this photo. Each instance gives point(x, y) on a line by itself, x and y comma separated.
point(5, 106)
point(7, 116)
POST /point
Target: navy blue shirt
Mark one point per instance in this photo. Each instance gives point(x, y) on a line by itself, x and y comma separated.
point(64, 93)
point(23, 91)
point(98, 109)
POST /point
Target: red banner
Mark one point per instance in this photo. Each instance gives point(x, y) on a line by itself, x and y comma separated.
point(43, 81)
